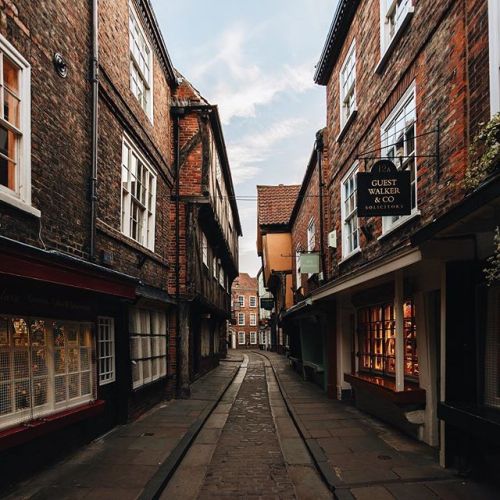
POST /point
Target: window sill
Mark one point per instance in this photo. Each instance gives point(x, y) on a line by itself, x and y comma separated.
point(403, 221)
point(389, 49)
point(19, 204)
point(15, 436)
point(386, 388)
point(346, 126)
point(350, 255)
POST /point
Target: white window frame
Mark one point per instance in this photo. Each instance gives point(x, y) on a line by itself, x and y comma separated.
point(410, 119)
point(347, 91)
point(311, 238)
point(253, 338)
point(106, 349)
point(146, 235)
point(149, 334)
point(298, 275)
point(252, 301)
point(241, 319)
point(241, 300)
point(20, 197)
point(204, 249)
point(215, 271)
point(253, 319)
point(146, 79)
point(393, 19)
point(349, 180)
point(494, 54)
point(241, 338)
point(221, 275)
point(311, 235)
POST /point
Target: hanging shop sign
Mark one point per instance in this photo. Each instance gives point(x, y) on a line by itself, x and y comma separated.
point(267, 304)
point(309, 262)
point(383, 191)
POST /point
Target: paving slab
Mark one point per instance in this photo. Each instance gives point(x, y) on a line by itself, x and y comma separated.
point(363, 458)
point(130, 458)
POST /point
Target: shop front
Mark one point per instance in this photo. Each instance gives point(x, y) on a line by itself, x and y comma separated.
point(58, 370)
point(386, 334)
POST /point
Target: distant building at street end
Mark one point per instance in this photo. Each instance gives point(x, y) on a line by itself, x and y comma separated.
point(244, 328)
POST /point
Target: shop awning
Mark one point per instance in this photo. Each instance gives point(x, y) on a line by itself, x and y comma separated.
point(26, 261)
point(478, 212)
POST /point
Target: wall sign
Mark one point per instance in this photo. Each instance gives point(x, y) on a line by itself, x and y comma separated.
point(267, 303)
point(309, 262)
point(383, 191)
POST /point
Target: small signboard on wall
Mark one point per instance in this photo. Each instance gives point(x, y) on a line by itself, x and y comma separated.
point(383, 191)
point(309, 262)
point(267, 303)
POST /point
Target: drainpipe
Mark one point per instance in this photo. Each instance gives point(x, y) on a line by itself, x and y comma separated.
point(319, 153)
point(178, 358)
point(95, 122)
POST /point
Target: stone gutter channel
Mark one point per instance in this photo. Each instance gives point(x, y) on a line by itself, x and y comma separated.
point(155, 486)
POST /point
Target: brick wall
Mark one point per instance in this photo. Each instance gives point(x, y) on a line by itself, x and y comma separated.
point(60, 122)
point(246, 286)
point(431, 52)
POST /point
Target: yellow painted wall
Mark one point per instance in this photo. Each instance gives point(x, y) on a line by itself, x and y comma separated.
point(277, 253)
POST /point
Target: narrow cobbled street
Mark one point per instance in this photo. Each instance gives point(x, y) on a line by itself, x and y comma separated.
point(248, 460)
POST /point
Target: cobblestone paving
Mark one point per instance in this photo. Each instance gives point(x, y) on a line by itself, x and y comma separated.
point(248, 462)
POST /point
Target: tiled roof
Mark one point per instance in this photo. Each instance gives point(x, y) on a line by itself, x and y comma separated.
point(275, 203)
point(244, 280)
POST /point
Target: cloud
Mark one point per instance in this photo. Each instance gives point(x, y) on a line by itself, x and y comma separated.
point(246, 85)
point(247, 155)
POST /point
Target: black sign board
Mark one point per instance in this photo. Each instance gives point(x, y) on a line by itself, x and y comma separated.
point(383, 191)
point(267, 304)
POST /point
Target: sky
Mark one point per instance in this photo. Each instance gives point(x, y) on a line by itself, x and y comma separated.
point(256, 61)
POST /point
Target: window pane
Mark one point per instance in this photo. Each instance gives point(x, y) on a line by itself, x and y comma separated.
point(8, 155)
point(10, 75)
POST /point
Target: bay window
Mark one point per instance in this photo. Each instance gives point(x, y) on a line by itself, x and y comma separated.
point(45, 366)
point(398, 140)
point(148, 345)
point(138, 197)
point(377, 340)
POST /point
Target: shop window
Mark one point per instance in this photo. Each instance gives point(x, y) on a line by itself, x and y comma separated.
point(106, 350)
point(348, 87)
point(350, 227)
point(241, 338)
point(45, 366)
point(377, 341)
point(148, 345)
point(398, 142)
point(253, 319)
point(15, 119)
point(492, 351)
point(138, 197)
point(141, 57)
point(253, 337)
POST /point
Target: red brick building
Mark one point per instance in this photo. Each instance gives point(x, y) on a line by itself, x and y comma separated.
point(407, 81)
point(244, 331)
point(89, 141)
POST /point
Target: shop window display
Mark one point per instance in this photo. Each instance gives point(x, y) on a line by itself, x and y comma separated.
point(377, 341)
point(45, 366)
